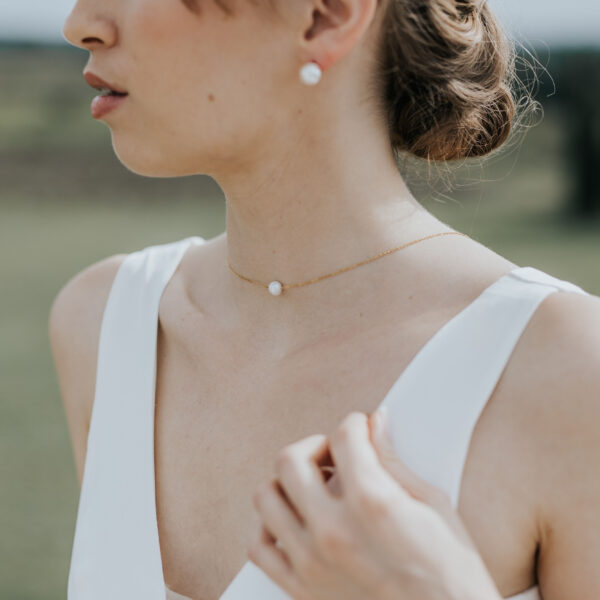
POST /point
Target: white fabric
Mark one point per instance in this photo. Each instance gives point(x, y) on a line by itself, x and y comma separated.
point(116, 552)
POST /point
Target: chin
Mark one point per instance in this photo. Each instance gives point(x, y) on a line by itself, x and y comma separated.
point(148, 161)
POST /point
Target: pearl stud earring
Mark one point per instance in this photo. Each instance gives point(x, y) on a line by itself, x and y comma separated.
point(310, 73)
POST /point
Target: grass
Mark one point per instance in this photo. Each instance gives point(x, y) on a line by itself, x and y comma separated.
point(66, 202)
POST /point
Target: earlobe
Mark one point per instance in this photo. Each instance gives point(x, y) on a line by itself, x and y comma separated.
point(343, 21)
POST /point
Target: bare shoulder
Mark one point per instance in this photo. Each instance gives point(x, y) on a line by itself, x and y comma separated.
point(563, 344)
point(556, 377)
point(74, 325)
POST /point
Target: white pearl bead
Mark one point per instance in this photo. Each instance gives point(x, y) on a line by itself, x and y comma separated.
point(310, 73)
point(275, 288)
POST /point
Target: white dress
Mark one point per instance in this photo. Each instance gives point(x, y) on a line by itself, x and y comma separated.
point(116, 552)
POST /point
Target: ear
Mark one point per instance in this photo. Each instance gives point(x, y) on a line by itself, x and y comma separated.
point(333, 27)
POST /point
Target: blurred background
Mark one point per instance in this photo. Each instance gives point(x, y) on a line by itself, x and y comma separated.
point(66, 202)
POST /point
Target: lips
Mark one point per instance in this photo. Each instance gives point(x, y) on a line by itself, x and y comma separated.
point(104, 86)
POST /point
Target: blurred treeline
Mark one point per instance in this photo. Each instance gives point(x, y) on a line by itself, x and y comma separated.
point(66, 202)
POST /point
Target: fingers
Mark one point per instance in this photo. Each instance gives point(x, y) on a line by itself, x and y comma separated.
point(389, 459)
point(274, 562)
point(301, 478)
point(356, 460)
point(417, 487)
point(279, 519)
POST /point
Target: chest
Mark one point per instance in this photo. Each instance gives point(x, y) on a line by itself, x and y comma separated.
point(222, 415)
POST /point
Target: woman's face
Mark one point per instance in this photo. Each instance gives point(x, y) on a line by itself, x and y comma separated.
point(204, 90)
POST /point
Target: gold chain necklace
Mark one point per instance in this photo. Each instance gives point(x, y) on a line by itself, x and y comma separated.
point(276, 287)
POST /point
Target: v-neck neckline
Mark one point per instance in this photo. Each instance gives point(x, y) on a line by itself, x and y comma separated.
point(431, 340)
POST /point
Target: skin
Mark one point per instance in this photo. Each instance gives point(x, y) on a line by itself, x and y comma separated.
point(311, 186)
point(374, 529)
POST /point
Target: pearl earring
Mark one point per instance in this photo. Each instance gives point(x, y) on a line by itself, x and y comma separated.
point(310, 73)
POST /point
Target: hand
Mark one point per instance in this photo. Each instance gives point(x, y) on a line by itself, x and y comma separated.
point(372, 529)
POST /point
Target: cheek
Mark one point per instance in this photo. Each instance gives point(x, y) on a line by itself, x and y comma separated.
point(199, 86)
point(155, 34)
point(158, 20)
point(175, 59)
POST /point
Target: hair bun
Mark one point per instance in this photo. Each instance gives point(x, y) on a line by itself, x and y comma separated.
point(447, 70)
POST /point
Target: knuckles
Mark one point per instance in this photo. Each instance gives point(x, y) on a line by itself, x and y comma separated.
point(354, 418)
point(307, 567)
point(372, 503)
point(331, 542)
point(291, 456)
point(343, 433)
point(340, 436)
point(286, 460)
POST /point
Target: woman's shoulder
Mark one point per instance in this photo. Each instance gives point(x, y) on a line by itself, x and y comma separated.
point(552, 378)
point(74, 324)
point(86, 289)
point(551, 389)
point(562, 342)
point(561, 360)
point(78, 307)
point(77, 310)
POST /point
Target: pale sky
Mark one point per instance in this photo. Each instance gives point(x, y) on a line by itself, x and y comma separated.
point(537, 21)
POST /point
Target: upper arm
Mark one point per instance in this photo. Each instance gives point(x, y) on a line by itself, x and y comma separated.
point(569, 450)
point(74, 325)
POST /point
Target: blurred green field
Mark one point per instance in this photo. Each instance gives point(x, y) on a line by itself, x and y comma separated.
point(66, 202)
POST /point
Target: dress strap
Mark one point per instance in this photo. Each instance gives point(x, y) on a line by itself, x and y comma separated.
point(436, 403)
point(437, 400)
point(116, 553)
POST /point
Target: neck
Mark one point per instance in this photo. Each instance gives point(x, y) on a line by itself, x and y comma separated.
point(321, 207)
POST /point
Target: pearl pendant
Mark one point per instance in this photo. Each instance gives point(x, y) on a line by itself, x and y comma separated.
point(275, 288)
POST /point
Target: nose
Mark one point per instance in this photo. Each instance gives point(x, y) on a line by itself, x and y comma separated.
point(88, 28)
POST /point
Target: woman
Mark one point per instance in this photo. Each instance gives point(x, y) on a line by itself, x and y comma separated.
point(189, 369)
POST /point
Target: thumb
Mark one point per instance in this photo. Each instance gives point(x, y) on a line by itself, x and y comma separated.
point(416, 486)
point(381, 435)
